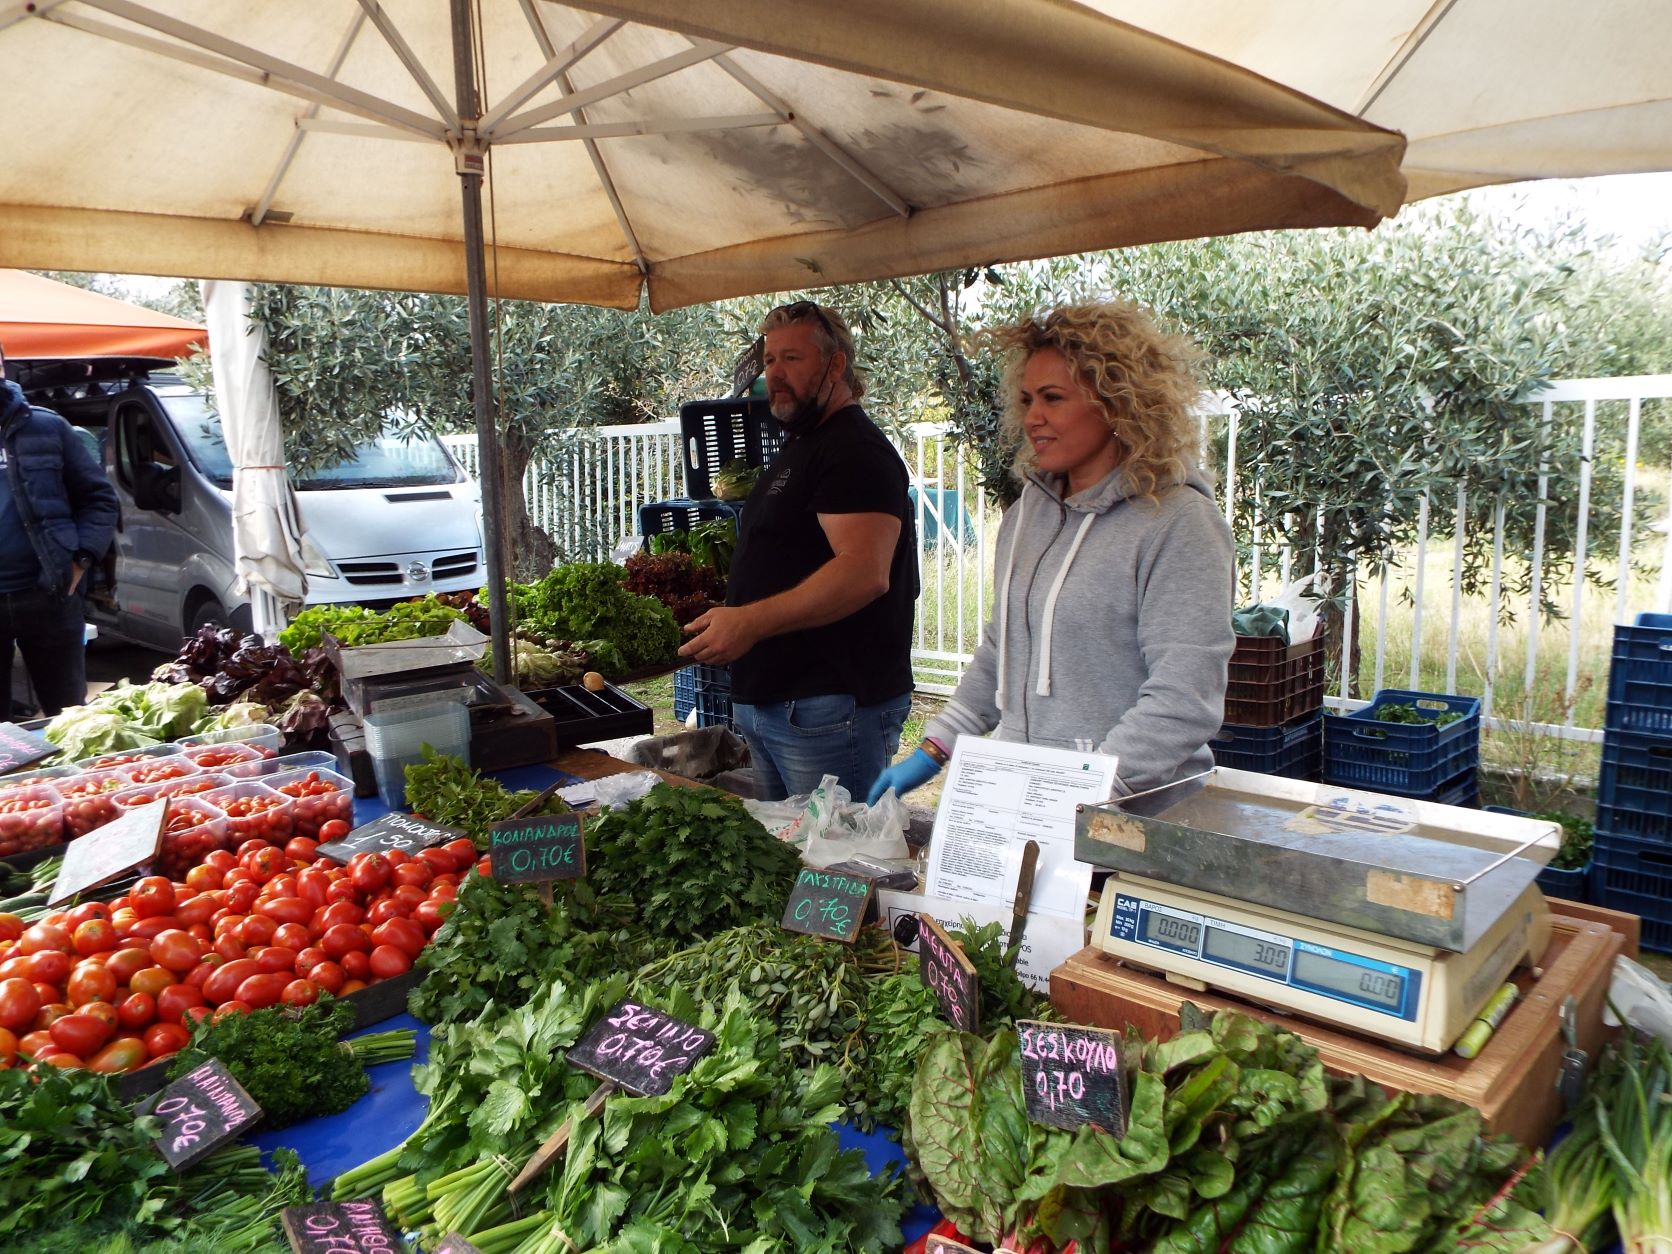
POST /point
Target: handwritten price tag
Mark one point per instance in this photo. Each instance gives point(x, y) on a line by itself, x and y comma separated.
point(827, 903)
point(340, 1228)
point(546, 847)
point(388, 831)
point(640, 1049)
point(200, 1112)
point(949, 975)
point(1071, 1075)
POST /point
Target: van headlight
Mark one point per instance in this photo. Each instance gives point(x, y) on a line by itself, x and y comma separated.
point(314, 561)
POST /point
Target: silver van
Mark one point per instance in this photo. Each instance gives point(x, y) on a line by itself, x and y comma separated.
point(399, 519)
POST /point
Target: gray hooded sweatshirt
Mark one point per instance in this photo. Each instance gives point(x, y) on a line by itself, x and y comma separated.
point(1111, 629)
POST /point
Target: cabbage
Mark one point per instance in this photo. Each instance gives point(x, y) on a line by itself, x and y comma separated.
point(85, 731)
point(163, 711)
point(238, 714)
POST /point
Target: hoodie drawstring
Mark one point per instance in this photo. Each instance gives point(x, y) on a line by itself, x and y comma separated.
point(1004, 593)
point(1043, 688)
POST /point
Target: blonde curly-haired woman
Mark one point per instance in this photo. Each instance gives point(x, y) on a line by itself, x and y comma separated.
point(1111, 627)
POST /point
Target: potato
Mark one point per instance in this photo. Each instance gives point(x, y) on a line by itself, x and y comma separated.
point(593, 681)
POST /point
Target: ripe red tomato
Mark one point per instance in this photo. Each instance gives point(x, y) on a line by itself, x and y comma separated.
point(102, 1011)
point(338, 912)
point(196, 1015)
point(293, 936)
point(83, 1035)
point(265, 863)
point(263, 990)
point(11, 927)
point(164, 1039)
point(333, 829)
point(19, 1004)
point(287, 910)
point(89, 982)
point(152, 896)
point(342, 889)
point(275, 960)
point(125, 1054)
point(369, 872)
point(199, 975)
point(199, 909)
point(431, 914)
point(229, 946)
point(223, 860)
point(49, 966)
point(403, 934)
point(222, 986)
point(356, 965)
point(388, 961)
point(95, 936)
point(86, 911)
point(258, 929)
point(328, 976)
point(151, 980)
point(301, 849)
point(203, 877)
point(384, 909)
point(241, 897)
point(300, 993)
point(177, 951)
point(8, 1048)
point(343, 939)
point(45, 938)
point(137, 1011)
point(124, 964)
point(230, 1008)
point(175, 1000)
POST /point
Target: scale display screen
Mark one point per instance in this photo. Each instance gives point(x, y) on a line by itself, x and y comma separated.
point(1320, 969)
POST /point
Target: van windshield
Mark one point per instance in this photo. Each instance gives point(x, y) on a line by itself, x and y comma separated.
point(390, 461)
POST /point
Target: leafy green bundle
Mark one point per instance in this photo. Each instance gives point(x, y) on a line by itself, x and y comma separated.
point(588, 600)
point(1235, 1142)
point(693, 861)
point(354, 624)
point(445, 790)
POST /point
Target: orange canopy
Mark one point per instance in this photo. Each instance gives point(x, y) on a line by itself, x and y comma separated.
point(40, 317)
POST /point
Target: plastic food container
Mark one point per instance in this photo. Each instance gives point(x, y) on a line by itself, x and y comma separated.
point(254, 812)
point(320, 795)
point(220, 757)
point(396, 737)
point(160, 770)
point(125, 757)
point(187, 786)
point(30, 818)
point(263, 736)
point(193, 829)
point(88, 799)
point(46, 775)
point(260, 769)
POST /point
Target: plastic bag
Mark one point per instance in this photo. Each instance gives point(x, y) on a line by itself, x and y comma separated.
point(832, 827)
point(1642, 997)
point(1302, 604)
point(619, 790)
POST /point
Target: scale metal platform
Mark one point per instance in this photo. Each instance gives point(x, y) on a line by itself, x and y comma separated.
point(1392, 917)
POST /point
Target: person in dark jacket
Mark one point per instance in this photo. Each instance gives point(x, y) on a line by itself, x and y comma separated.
point(57, 516)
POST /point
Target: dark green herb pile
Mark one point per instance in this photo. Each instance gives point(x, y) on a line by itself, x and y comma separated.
point(1236, 1141)
point(445, 790)
point(79, 1175)
point(1405, 712)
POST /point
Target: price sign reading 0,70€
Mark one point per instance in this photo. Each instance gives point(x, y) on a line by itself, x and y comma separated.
point(949, 975)
point(827, 903)
point(200, 1112)
point(545, 847)
point(340, 1228)
point(640, 1049)
point(1071, 1075)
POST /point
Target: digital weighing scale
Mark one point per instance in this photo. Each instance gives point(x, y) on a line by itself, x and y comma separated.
point(1390, 917)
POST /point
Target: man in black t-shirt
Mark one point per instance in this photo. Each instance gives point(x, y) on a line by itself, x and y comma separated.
point(818, 615)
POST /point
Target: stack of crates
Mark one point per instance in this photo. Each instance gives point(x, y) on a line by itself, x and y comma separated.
point(712, 433)
point(1274, 702)
point(1427, 760)
point(1632, 858)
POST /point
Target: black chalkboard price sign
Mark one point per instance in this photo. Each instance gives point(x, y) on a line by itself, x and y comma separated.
point(545, 847)
point(1071, 1075)
point(640, 1049)
point(388, 831)
point(200, 1112)
point(949, 975)
point(19, 747)
point(340, 1228)
point(827, 903)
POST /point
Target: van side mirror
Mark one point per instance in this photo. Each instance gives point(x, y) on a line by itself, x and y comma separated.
point(157, 487)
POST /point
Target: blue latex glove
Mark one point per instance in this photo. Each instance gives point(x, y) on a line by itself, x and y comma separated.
point(914, 772)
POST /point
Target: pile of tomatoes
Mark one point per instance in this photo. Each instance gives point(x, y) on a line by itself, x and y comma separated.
point(113, 986)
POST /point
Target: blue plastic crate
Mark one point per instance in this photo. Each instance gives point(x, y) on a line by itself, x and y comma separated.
point(684, 692)
point(659, 517)
point(1570, 884)
point(1411, 759)
point(1636, 891)
point(1640, 677)
point(1634, 790)
point(712, 433)
point(1293, 750)
point(1464, 790)
point(712, 687)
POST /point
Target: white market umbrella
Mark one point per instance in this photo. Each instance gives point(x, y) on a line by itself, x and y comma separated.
point(266, 523)
point(684, 150)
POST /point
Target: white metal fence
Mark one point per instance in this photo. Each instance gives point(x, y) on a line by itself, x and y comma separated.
point(588, 500)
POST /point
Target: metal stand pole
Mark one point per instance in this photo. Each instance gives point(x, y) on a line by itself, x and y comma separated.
point(470, 159)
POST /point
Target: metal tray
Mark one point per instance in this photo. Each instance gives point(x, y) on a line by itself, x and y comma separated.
point(1415, 870)
point(460, 644)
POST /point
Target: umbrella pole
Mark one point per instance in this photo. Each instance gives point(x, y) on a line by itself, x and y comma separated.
point(469, 157)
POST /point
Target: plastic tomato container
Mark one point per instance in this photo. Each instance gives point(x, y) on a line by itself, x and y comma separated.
point(46, 775)
point(160, 770)
point(187, 786)
point(126, 757)
point(30, 818)
point(320, 795)
point(261, 769)
point(254, 812)
point(193, 829)
point(262, 736)
point(220, 757)
point(89, 799)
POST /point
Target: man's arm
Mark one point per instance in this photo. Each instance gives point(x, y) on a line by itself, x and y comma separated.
point(862, 547)
point(92, 502)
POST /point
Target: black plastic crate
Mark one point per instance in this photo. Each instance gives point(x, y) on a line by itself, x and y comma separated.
point(1640, 677)
point(661, 517)
point(1293, 750)
point(713, 433)
point(1411, 759)
point(581, 716)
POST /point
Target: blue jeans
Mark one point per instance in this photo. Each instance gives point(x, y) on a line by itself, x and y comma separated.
point(795, 744)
